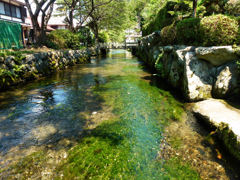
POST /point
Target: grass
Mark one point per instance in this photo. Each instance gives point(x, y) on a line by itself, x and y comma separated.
point(5, 53)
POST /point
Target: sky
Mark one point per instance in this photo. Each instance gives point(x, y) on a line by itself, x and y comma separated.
point(53, 20)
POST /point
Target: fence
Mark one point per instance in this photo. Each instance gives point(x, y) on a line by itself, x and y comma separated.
point(10, 35)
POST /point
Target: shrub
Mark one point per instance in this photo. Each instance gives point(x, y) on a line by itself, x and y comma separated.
point(188, 31)
point(55, 41)
point(166, 15)
point(213, 6)
point(61, 39)
point(168, 34)
point(219, 30)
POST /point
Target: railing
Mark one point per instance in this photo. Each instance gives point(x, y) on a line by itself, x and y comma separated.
point(118, 45)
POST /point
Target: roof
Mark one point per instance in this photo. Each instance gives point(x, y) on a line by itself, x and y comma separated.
point(14, 2)
point(57, 24)
point(28, 21)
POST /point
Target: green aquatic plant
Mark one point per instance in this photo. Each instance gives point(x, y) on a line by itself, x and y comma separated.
point(124, 145)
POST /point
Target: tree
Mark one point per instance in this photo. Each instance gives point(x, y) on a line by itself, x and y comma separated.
point(45, 8)
point(110, 16)
point(67, 8)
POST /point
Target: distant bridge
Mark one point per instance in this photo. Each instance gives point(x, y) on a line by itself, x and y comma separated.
point(119, 45)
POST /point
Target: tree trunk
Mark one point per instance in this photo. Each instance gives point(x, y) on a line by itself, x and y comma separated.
point(96, 33)
point(71, 21)
point(195, 8)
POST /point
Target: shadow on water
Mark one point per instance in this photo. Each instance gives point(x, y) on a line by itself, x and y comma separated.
point(157, 81)
point(114, 110)
point(46, 112)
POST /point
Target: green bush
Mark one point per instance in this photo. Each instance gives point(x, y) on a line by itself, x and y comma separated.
point(55, 41)
point(168, 34)
point(210, 31)
point(219, 30)
point(188, 31)
point(166, 15)
point(64, 39)
point(213, 6)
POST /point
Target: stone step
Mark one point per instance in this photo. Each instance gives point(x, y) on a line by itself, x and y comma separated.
point(224, 118)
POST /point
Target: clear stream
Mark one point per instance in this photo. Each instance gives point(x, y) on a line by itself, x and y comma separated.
point(103, 120)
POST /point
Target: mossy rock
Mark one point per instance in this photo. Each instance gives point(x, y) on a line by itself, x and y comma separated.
point(229, 139)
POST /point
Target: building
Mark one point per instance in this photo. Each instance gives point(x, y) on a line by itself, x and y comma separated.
point(12, 24)
point(58, 26)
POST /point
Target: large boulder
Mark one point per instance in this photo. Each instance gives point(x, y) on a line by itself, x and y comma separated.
point(227, 83)
point(183, 70)
point(224, 118)
point(216, 55)
point(198, 78)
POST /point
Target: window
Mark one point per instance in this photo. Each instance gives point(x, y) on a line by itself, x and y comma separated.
point(13, 11)
point(2, 8)
point(18, 12)
point(7, 9)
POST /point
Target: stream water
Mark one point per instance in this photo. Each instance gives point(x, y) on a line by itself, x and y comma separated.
point(110, 119)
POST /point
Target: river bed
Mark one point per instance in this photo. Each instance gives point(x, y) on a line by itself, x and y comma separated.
point(110, 119)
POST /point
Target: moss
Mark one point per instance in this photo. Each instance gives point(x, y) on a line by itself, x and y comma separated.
point(169, 34)
point(229, 139)
point(167, 14)
point(188, 31)
point(219, 30)
point(177, 170)
point(159, 65)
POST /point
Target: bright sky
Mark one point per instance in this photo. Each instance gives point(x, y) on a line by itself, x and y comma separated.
point(53, 19)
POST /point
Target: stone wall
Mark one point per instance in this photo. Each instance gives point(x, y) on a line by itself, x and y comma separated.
point(199, 72)
point(15, 70)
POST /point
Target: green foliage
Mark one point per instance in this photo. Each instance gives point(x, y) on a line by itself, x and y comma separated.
point(178, 170)
point(210, 31)
point(64, 39)
point(219, 30)
point(168, 34)
point(167, 14)
point(213, 6)
point(55, 41)
point(233, 8)
point(188, 31)
point(7, 76)
point(159, 65)
point(104, 37)
point(5, 53)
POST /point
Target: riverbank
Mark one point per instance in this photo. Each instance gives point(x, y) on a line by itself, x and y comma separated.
point(25, 67)
point(106, 119)
point(200, 73)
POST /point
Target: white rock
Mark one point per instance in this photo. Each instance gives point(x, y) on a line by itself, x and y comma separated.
point(216, 55)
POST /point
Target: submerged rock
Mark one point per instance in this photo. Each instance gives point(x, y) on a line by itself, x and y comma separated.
point(216, 55)
point(225, 119)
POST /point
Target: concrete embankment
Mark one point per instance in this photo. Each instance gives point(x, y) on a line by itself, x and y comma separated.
point(201, 74)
